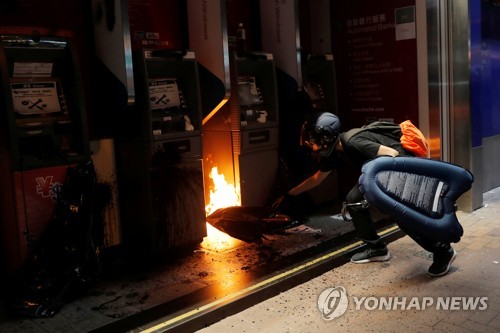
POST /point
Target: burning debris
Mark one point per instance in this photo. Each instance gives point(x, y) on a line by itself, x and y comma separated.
point(225, 213)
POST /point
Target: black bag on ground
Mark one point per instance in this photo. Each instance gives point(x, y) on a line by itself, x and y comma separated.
point(64, 262)
point(249, 223)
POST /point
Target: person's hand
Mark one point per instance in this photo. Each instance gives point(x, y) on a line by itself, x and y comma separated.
point(282, 204)
point(387, 151)
point(293, 206)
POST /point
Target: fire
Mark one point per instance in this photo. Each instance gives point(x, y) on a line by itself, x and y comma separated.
point(223, 195)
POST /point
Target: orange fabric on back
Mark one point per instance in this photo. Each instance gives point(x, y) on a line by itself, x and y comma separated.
point(413, 140)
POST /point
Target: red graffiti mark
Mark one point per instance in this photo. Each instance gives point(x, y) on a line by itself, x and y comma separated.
point(47, 188)
point(44, 186)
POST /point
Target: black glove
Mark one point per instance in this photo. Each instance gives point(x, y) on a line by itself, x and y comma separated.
point(294, 206)
point(283, 204)
point(291, 206)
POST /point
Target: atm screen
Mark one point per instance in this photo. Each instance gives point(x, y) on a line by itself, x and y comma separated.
point(316, 94)
point(35, 98)
point(314, 90)
point(248, 92)
point(164, 94)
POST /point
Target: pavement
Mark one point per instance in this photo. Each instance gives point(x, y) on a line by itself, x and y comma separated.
point(397, 295)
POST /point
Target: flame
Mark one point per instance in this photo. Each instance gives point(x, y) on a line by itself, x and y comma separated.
point(223, 195)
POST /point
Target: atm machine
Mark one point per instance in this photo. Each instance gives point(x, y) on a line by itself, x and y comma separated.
point(159, 156)
point(258, 127)
point(44, 131)
point(247, 136)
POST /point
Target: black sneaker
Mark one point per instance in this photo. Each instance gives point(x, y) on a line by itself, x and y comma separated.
point(371, 254)
point(442, 262)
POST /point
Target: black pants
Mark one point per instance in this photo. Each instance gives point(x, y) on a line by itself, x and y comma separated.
point(366, 231)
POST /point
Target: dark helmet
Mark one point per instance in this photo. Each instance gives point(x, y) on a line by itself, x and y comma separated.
point(321, 133)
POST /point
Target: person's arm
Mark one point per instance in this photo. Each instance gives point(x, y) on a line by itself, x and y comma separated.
point(309, 183)
point(369, 148)
point(387, 151)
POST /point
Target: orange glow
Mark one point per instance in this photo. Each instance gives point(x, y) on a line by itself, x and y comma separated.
point(218, 241)
point(222, 195)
